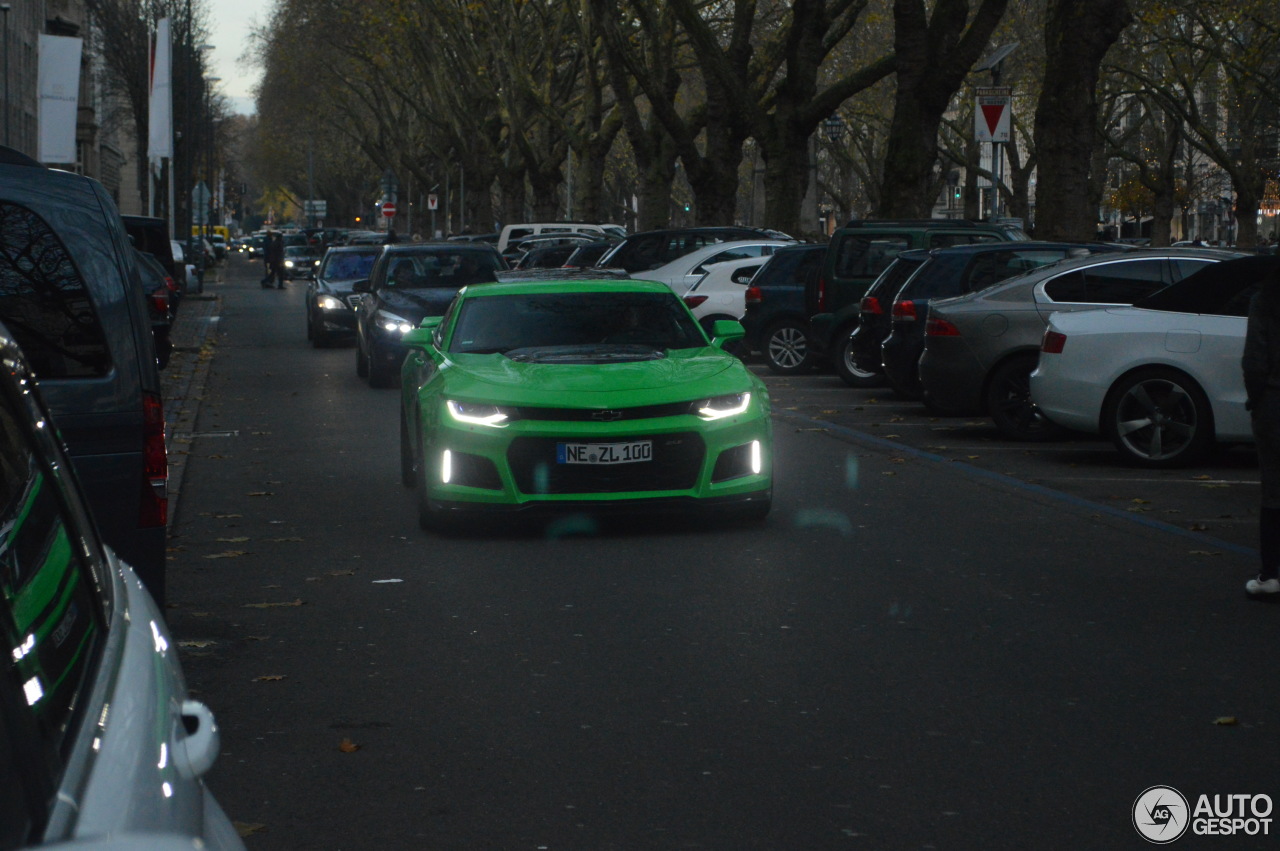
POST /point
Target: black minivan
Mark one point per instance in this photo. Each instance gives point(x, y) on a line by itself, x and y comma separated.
point(72, 297)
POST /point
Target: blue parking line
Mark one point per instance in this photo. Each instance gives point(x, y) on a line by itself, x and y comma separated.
point(975, 472)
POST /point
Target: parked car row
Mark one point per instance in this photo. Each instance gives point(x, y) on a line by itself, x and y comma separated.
point(103, 742)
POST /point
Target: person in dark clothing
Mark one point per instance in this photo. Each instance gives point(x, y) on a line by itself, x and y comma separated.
point(274, 260)
point(1261, 363)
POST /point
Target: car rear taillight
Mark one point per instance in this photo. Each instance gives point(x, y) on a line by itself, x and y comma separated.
point(170, 284)
point(753, 295)
point(160, 301)
point(1053, 342)
point(694, 300)
point(154, 508)
point(871, 306)
point(904, 311)
point(940, 328)
point(822, 294)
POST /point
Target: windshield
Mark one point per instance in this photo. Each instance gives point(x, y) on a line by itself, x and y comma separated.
point(489, 324)
point(443, 267)
point(348, 265)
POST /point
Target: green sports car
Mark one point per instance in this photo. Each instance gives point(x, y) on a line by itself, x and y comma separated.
point(583, 394)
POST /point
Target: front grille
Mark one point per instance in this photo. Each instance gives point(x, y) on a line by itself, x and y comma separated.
point(677, 459)
point(352, 300)
point(604, 415)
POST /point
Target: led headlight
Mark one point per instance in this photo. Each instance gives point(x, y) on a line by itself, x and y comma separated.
point(288, 264)
point(328, 302)
point(722, 406)
point(391, 323)
point(477, 414)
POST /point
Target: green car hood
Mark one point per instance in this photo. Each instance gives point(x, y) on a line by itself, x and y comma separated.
point(683, 374)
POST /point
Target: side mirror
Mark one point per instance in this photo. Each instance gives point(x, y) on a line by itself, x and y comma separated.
point(419, 337)
point(725, 331)
point(360, 286)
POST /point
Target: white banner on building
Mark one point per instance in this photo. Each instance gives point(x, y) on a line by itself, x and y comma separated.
point(160, 108)
point(58, 90)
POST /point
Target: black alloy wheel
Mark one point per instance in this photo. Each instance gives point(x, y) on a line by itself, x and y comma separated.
point(1009, 402)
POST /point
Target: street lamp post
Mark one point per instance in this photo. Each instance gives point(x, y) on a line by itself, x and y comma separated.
point(208, 216)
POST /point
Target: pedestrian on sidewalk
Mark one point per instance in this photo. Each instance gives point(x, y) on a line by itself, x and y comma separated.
point(1261, 365)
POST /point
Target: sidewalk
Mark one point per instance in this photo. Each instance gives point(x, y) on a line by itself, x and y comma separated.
point(183, 380)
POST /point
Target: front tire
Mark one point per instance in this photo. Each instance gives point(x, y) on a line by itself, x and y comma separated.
point(381, 375)
point(362, 361)
point(408, 463)
point(1009, 402)
point(843, 363)
point(786, 348)
point(1158, 417)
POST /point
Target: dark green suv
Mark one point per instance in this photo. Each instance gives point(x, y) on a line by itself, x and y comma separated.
point(857, 254)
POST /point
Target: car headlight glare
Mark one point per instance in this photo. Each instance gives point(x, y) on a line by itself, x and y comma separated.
point(328, 302)
point(288, 264)
point(720, 407)
point(477, 414)
point(392, 324)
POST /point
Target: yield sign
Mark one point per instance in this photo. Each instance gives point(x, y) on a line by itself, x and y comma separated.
point(991, 115)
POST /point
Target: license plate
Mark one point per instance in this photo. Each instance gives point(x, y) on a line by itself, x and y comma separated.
point(604, 453)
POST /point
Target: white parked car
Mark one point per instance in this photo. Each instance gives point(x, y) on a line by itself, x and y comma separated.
point(721, 293)
point(1162, 379)
point(683, 272)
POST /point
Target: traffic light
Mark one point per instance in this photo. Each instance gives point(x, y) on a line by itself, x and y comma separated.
point(955, 193)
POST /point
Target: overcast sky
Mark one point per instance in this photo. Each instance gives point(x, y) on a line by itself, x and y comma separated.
point(231, 22)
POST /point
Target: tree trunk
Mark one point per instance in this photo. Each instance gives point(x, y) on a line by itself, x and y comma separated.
point(934, 55)
point(786, 179)
point(511, 186)
point(1077, 35)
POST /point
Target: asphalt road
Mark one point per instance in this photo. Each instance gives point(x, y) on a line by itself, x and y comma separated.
point(920, 649)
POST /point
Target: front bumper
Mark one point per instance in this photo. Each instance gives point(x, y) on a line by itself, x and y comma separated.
point(518, 467)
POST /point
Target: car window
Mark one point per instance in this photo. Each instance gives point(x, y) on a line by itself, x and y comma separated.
point(51, 611)
point(937, 278)
point(348, 265)
point(944, 239)
point(992, 267)
point(504, 323)
point(448, 268)
point(740, 253)
point(44, 300)
point(1108, 283)
point(681, 244)
point(859, 256)
point(1185, 267)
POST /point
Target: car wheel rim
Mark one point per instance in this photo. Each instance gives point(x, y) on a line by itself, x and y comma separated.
point(850, 366)
point(1156, 419)
point(1016, 408)
point(787, 347)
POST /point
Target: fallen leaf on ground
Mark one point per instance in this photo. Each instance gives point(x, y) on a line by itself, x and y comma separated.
point(271, 605)
point(228, 554)
point(348, 746)
point(342, 573)
point(1225, 721)
point(1198, 527)
point(1141, 502)
point(1204, 476)
point(259, 493)
point(269, 678)
point(1204, 553)
point(196, 644)
point(239, 540)
point(973, 457)
point(284, 540)
point(248, 829)
point(227, 516)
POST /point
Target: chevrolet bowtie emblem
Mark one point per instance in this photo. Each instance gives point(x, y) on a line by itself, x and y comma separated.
point(606, 416)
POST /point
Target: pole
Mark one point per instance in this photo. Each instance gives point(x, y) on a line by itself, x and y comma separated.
point(311, 186)
point(462, 199)
point(8, 107)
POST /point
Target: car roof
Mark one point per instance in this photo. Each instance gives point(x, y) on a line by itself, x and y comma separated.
point(986, 247)
point(565, 285)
